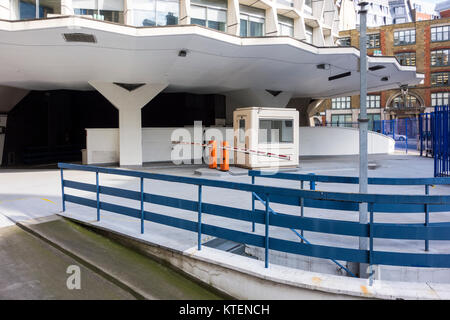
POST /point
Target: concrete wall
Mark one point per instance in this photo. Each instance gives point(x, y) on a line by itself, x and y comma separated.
point(103, 144)
point(326, 141)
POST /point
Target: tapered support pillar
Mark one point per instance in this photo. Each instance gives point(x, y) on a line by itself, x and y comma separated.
point(129, 103)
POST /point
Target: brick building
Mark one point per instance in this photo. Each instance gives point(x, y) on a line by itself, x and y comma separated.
point(424, 44)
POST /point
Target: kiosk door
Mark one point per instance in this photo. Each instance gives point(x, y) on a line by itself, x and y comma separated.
point(241, 141)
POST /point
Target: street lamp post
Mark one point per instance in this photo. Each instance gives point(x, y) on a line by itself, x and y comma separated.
point(363, 128)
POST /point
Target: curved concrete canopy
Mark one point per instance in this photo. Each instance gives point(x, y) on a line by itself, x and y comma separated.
point(35, 56)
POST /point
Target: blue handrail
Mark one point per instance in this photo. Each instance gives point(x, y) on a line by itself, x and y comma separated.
point(314, 199)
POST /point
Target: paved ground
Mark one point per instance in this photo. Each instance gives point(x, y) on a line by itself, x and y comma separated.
point(36, 193)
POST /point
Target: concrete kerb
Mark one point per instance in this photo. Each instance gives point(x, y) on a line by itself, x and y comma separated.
point(244, 278)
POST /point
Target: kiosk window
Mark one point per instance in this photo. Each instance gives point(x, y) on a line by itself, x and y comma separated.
point(276, 131)
point(242, 131)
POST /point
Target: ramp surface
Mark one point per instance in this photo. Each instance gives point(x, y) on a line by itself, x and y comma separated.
point(34, 259)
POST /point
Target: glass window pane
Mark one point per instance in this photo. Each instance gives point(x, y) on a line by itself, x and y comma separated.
point(256, 29)
point(27, 9)
point(198, 13)
point(167, 12)
point(243, 28)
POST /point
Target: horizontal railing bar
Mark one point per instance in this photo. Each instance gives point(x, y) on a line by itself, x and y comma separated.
point(318, 195)
point(349, 180)
point(318, 251)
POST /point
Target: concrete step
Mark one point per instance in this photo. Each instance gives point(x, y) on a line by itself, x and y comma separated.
point(136, 273)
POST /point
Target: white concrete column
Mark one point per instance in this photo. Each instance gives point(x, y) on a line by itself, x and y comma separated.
point(5, 9)
point(185, 12)
point(128, 12)
point(129, 104)
point(233, 17)
point(67, 8)
point(272, 28)
point(299, 28)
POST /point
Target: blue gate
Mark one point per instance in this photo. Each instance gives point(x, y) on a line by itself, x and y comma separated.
point(434, 139)
point(404, 131)
point(441, 146)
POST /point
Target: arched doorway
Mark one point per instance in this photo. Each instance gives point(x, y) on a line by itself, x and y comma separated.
point(404, 104)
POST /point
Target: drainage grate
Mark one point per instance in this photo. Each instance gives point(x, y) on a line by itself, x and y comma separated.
point(79, 37)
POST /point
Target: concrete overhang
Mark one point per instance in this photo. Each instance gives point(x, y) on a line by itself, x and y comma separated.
point(36, 56)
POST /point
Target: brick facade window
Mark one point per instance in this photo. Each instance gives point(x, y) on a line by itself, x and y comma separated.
point(440, 33)
point(344, 42)
point(440, 79)
point(403, 37)
point(341, 120)
point(373, 101)
point(439, 57)
point(406, 58)
point(373, 40)
point(439, 98)
point(341, 103)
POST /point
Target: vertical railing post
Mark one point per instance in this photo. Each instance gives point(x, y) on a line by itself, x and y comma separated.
point(302, 206)
point(371, 244)
point(427, 217)
point(406, 134)
point(266, 251)
point(253, 206)
point(142, 205)
point(199, 224)
point(312, 183)
point(98, 195)
point(62, 190)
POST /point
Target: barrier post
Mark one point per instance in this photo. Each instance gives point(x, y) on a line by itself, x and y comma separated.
point(427, 218)
point(199, 224)
point(225, 165)
point(98, 196)
point(213, 154)
point(266, 250)
point(142, 205)
point(253, 206)
point(371, 244)
point(62, 189)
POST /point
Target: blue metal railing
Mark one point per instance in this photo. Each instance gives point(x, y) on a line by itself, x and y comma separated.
point(435, 138)
point(312, 179)
point(313, 199)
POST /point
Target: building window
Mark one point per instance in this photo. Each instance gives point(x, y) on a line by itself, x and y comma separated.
point(400, 20)
point(252, 21)
point(399, 10)
point(439, 98)
point(276, 131)
point(309, 34)
point(373, 100)
point(286, 26)
point(209, 13)
point(341, 103)
point(27, 8)
point(439, 79)
point(109, 11)
point(440, 33)
point(373, 40)
point(403, 37)
point(155, 12)
point(374, 122)
point(341, 120)
point(406, 58)
point(411, 101)
point(439, 57)
point(345, 42)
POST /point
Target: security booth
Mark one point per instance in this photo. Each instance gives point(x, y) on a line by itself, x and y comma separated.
point(266, 137)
